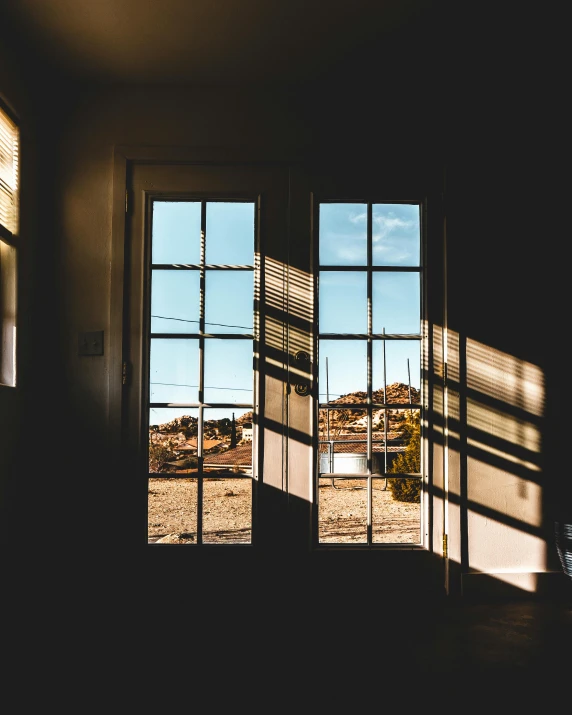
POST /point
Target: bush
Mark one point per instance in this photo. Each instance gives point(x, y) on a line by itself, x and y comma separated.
point(408, 489)
point(405, 489)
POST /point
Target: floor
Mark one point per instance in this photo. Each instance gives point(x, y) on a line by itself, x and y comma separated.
point(519, 651)
point(164, 640)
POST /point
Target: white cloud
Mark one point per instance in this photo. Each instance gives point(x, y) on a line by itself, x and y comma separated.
point(358, 218)
point(389, 224)
point(392, 239)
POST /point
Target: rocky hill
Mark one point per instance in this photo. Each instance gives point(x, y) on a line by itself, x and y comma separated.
point(397, 393)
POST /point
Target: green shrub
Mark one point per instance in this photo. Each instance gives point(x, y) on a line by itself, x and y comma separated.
point(409, 461)
point(404, 489)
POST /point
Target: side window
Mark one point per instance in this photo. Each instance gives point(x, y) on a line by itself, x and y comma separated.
point(370, 275)
point(9, 240)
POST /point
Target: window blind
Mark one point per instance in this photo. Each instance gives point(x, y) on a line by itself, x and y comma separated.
point(9, 165)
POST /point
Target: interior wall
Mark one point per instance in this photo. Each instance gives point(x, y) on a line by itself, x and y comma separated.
point(504, 279)
point(502, 282)
point(498, 435)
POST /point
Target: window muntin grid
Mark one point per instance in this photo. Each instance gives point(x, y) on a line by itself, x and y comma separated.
point(201, 392)
point(370, 274)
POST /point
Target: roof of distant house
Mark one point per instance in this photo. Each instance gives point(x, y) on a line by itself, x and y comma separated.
point(191, 445)
point(360, 447)
point(240, 456)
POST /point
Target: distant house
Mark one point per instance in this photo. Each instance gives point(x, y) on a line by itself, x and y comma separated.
point(190, 446)
point(234, 459)
point(352, 450)
point(247, 432)
point(240, 458)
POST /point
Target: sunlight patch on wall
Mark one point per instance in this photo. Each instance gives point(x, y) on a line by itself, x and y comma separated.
point(526, 581)
point(504, 377)
point(497, 423)
point(499, 544)
point(300, 294)
point(274, 277)
point(299, 340)
point(274, 334)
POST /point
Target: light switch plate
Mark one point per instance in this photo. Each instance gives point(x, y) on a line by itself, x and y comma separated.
point(90, 343)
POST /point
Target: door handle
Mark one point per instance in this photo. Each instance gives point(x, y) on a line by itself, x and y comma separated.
point(303, 362)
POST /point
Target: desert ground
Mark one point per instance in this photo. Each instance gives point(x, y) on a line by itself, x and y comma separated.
point(226, 514)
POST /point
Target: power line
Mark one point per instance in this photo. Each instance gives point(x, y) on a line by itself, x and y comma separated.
point(185, 320)
point(207, 387)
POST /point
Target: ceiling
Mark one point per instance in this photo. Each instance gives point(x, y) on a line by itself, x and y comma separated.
point(214, 41)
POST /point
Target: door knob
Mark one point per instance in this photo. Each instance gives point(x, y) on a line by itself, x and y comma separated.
point(303, 362)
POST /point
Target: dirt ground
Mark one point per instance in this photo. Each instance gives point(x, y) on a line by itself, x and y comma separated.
point(342, 513)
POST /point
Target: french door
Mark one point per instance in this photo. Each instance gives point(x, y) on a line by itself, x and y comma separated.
point(212, 413)
point(277, 349)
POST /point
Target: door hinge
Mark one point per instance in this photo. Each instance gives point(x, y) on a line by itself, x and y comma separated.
point(445, 546)
point(125, 373)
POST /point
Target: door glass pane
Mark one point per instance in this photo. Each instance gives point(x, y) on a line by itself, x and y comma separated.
point(336, 380)
point(172, 485)
point(342, 511)
point(227, 441)
point(343, 441)
point(343, 234)
point(174, 372)
point(394, 521)
point(396, 303)
point(230, 233)
point(227, 459)
point(227, 510)
point(173, 439)
point(229, 301)
point(175, 301)
point(228, 371)
point(343, 302)
point(396, 235)
point(172, 510)
point(397, 363)
point(176, 232)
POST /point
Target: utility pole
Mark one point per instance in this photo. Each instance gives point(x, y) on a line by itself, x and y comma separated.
point(233, 433)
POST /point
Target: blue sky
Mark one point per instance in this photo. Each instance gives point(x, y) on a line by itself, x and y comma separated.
point(343, 295)
point(229, 301)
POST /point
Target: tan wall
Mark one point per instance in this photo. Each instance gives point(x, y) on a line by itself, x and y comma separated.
point(499, 518)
